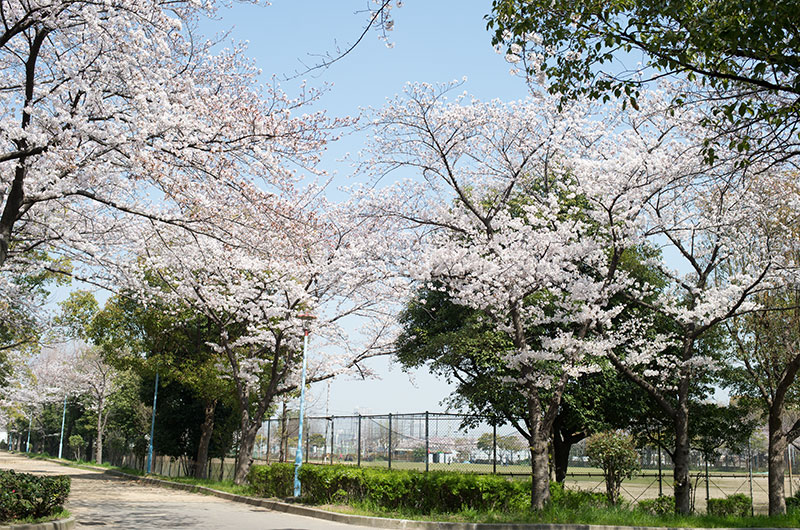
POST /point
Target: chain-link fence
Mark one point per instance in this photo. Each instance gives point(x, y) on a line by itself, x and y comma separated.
point(421, 441)
point(471, 444)
point(465, 443)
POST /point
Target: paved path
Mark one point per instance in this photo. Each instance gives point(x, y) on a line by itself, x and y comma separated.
point(98, 500)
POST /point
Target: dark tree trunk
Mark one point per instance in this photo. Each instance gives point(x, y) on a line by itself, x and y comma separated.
point(563, 440)
point(206, 430)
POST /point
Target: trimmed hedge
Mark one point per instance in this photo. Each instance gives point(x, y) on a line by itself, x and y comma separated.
point(737, 505)
point(435, 491)
point(25, 495)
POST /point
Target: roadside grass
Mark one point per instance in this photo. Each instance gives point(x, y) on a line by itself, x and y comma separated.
point(221, 485)
point(584, 515)
point(63, 514)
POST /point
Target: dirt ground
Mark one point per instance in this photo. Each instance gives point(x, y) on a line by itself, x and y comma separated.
point(97, 499)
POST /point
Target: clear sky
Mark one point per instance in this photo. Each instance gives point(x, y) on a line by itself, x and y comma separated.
point(434, 41)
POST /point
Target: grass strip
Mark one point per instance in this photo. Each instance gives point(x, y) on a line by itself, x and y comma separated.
point(610, 516)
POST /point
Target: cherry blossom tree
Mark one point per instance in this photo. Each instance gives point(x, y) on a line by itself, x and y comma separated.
point(767, 355)
point(525, 213)
point(118, 114)
point(116, 119)
point(256, 289)
point(97, 381)
point(709, 221)
point(765, 347)
point(502, 223)
point(45, 377)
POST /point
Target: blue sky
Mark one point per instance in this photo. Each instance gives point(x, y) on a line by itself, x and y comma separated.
point(434, 42)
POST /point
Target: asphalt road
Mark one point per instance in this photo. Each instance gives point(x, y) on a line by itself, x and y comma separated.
point(98, 500)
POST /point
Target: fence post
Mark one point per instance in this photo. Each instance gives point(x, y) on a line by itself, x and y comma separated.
point(708, 494)
point(331, 440)
point(494, 448)
point(358, 448)
point(390, 440)
point(750, 473)
point(308, 435)
point(789, 454)
point(660, 485)
point(269, 424)
point(427, 441)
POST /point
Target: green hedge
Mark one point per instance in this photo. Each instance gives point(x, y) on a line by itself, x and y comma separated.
point(737, 505)
point(25, 495)
point(436, 491)
point(274, 480)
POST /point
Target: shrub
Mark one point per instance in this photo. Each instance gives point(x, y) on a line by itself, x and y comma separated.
point(25, 495)
point(737, 505)
point(275, 480)
point(75, 443)
point(436, 491)
point(575, 499)
point(661, 505)
point(793, 502)
point(616, 455)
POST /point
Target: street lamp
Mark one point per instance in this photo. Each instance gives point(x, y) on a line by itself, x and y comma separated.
point(152, 427)
point(28, 443)
point(298, 456)
point(61, 438)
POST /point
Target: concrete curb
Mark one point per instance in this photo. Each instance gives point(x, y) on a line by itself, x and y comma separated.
point(59, 524)
point(362, 520)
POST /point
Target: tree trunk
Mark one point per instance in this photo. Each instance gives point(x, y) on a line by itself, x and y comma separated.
point(12, 208)
point(561, 447)
point(98, 447)
point(245, 458)
point(540, 469)
point(776, 465)
point(563, 440)
point(206, 430)
point(681, 458)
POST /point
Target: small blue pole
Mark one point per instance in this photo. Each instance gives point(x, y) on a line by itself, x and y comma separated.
point(28, 444)
point(152, 428)
point(298, 456)
point(61, 439)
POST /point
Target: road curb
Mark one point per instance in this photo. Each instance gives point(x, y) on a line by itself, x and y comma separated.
point(58, 524)
point(362, 520)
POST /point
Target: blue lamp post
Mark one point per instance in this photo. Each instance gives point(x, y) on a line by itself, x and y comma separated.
point(61, 438)
point(152, 427)
point(298, 456)
point(28, 443)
